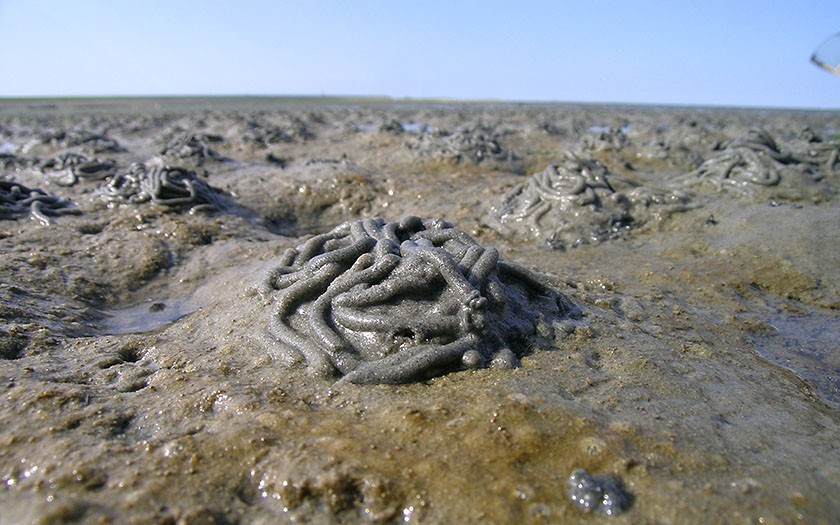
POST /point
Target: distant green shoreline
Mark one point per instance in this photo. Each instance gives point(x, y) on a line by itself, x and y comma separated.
point(201, 97)
point(73, 104)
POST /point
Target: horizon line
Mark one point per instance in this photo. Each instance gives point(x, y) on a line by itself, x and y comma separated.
point(388, 98)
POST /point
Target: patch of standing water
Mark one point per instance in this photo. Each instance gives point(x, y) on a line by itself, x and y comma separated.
point(408, 127)
point(147, 316)
point(7, 147)
point(607, 129)
point(365, 127)
point(807, 345)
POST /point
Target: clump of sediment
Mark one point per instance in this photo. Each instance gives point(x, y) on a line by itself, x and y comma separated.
point(599, 493)
point(168, 186)
point(391, 302)
point(575, 203)
point(17, 200)
point(757, 164)
point(193, 146)
point(472, 145)
point(69, 168)
point(89, 142)
point(260, 133)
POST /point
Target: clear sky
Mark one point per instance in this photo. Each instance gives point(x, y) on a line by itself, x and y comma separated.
point(740, 53)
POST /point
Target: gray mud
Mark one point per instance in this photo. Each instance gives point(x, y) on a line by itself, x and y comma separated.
point(700, 384)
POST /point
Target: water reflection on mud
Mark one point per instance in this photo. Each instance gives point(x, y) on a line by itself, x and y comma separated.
point(806, 344)
point(146, 317)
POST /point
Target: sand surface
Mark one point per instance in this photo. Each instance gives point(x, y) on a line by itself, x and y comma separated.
point(137, 385)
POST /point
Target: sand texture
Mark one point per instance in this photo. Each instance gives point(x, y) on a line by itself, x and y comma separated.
point(366, 311)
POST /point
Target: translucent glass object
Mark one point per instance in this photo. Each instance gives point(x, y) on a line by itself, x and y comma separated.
point(827, 55)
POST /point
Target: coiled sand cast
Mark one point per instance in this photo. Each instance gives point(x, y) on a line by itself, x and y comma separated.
point(392, 302)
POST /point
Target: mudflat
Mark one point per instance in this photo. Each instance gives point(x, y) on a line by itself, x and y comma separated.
point(564, 313)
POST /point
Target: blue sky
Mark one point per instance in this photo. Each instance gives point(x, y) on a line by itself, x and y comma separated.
point(749, 53)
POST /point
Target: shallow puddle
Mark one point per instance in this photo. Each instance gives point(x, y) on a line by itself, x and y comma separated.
point(147, 316)
point(806, 344)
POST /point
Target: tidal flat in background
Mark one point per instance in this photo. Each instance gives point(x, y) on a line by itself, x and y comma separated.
point(141, 382)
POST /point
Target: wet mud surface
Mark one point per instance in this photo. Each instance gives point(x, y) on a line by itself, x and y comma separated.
point(658, 287)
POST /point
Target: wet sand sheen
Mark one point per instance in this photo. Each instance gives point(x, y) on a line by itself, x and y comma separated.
point(702, 374)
